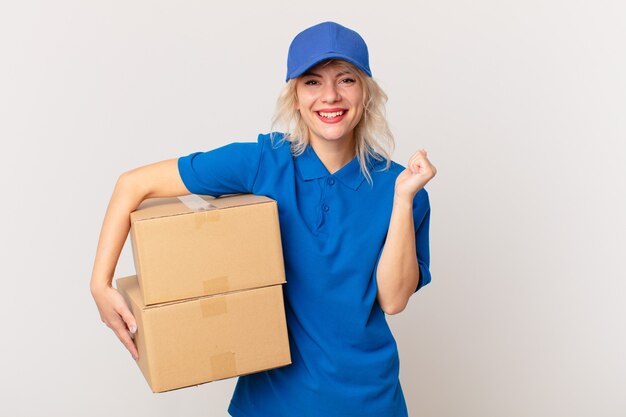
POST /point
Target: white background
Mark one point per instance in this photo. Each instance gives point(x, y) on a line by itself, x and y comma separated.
point(520, 104)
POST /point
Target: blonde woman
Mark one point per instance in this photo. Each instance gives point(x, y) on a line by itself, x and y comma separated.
point(354, 228)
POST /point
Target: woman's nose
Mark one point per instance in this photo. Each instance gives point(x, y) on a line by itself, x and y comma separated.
point(330, 93)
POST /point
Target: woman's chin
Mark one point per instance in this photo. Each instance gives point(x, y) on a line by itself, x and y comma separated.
point(334, 136)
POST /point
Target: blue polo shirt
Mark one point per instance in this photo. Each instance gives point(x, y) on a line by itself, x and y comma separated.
point(333, 227)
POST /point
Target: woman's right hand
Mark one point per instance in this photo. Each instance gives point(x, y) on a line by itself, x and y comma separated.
point(114, 312)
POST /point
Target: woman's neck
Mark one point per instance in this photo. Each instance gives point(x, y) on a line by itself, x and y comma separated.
point(333, 154)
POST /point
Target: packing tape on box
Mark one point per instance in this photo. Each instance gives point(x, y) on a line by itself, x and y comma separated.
point(224, 365)
point(216, 285)
point(213, 306)
point(199, 205)
point(196, 203)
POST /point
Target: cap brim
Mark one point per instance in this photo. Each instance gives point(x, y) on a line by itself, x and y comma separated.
point(313, 61)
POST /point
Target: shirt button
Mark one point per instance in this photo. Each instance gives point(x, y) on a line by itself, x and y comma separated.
point(325, 207)
point(331, 181)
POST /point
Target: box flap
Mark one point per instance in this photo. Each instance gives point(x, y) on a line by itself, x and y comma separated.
point(161, 207)
point(130, 286)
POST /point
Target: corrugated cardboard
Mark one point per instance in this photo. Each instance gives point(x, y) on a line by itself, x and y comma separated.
point(200, 340)
point(180, 253)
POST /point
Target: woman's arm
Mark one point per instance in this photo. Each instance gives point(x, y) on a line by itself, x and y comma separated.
point(398, 273)
point(160, 179)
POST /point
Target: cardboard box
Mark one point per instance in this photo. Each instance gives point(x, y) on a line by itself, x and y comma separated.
point(205, 246)
point(191, 342)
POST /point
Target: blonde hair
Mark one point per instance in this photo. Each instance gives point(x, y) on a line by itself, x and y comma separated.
point(373, 138)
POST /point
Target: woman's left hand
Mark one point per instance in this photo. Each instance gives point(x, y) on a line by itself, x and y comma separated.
point(418, 172)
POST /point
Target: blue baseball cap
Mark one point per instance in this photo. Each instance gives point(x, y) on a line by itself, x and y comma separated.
point(326, 41)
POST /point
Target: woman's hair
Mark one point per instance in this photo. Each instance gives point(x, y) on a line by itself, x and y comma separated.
point(372, 135)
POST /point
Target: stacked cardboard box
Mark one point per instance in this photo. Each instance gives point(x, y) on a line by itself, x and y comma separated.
point(207, 296)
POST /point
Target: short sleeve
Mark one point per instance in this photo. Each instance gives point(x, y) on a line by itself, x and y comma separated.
point(230, 169)
point(421, 219)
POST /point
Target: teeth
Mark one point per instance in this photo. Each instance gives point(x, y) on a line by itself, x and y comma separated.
point(331, 115)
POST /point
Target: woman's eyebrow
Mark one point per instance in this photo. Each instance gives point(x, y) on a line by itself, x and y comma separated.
point(339, 74)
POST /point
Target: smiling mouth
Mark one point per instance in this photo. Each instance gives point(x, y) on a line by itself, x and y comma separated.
point(331, 116)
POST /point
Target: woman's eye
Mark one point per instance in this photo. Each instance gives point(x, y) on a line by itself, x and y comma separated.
point(310, 82)
point(348, 80)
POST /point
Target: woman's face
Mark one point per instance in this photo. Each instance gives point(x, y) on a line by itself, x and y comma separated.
point(330, 101)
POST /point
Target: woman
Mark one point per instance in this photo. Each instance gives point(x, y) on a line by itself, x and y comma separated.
point(354, 228)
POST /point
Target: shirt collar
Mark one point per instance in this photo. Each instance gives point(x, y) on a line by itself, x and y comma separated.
point(311, 167)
